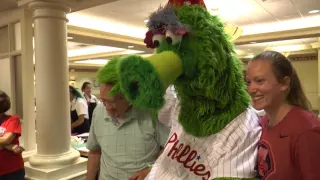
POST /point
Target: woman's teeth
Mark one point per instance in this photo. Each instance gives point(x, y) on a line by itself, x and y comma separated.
point(256, 98)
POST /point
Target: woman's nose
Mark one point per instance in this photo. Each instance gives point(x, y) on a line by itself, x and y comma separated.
point(251, 88)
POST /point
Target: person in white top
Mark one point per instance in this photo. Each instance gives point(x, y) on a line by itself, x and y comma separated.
point(78, 112)
point(92, 100)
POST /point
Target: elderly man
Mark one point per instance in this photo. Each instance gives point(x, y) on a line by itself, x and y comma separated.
point(124, 140)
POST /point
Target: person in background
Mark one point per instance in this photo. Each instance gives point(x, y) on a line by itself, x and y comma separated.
point(11, 162)
point(290, 141)
point(92, 100)
point(124, 140)
point(78, 112)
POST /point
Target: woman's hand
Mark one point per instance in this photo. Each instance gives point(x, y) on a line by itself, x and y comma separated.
point(17, 149)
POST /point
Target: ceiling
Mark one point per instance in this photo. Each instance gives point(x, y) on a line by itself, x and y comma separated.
point(75, 5)
point(127, 18)
point(275, 44)
point(287, 47)
point(88, 54)
point(248, 12)
point(254, 16)
point(8, 4)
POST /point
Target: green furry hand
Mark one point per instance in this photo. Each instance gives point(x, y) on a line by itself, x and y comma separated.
point(140, 83)
point(145, 80)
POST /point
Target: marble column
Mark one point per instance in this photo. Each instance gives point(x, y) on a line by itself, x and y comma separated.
point(54, 158)
point(28, 127)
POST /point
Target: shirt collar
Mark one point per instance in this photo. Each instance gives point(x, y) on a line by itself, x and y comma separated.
point(73, 102)
point(129, 115)
point(87, 97)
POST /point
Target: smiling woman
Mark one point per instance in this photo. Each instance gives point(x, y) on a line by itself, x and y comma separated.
point(273, 79)
point(275, 87)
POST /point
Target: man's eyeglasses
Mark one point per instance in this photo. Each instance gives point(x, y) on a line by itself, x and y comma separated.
point(109, 103)
point(113, 102)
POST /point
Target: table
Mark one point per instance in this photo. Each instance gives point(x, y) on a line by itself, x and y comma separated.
point(84, 153)
point(82, 149)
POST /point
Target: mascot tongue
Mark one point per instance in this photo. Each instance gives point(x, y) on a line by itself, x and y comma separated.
point(145, 80)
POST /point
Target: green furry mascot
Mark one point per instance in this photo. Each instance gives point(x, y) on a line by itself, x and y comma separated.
point(214, 133)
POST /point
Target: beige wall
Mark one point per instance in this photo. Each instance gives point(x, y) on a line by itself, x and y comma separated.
point(82, 77)
point(308, 74)
point(10, 15)
point(7, 80)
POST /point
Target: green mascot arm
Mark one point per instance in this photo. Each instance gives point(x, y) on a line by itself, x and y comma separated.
point(145, 80)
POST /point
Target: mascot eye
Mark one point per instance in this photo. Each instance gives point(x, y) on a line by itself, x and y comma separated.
point(172, 38)
point(169, 40)
point(157, 39)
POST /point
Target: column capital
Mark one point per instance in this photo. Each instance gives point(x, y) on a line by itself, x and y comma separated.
point(42, 4)
point(49, 9)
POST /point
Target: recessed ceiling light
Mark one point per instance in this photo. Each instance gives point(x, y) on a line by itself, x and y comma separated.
point(249, 56)
point(314, 11)
point(214, 9)
point(146, 20)
point(92, 61)
point(253, 42)
point(130, 47)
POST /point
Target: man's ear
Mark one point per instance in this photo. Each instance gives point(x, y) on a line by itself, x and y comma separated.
point(286, 83)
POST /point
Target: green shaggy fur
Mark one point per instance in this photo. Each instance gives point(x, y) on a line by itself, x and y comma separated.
point(211, 89)
point(108, 75)
point(140, 78)
point(217, 93)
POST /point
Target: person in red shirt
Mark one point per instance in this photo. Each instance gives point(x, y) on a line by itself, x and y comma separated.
point(289, 148)
point(11, 162)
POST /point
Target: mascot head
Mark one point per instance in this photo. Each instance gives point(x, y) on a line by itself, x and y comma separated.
point(195, 54)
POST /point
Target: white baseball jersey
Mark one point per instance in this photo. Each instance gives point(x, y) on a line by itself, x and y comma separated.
point(230, 153)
